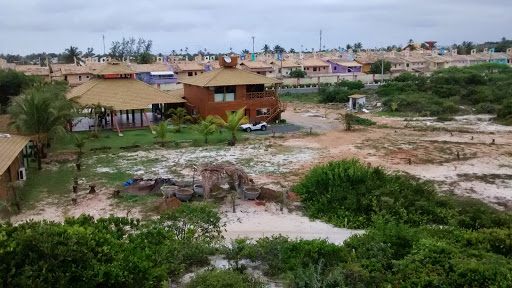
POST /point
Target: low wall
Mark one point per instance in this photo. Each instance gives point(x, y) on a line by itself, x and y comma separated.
point(334, 78)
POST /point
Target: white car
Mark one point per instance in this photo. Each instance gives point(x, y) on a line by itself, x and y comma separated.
point(253, 126)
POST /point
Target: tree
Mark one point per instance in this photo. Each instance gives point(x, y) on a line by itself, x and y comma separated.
point(145, 58)
point(206, 127)
point(173, 52)
point(410, 41)
point(291, 50)
point(161, 132)
point(80, 142)
point(97, 110)
point(12, 83)
point(297, 73)
point(278, 49)
point(42, 111)
point(266, 49)
point(245, 51)
point(234, 120)
point(178, 117)
point(348, 47)
point(72, 53)
point(424, 46)
point(358, 46)
point(377, 67)
point(89, 53)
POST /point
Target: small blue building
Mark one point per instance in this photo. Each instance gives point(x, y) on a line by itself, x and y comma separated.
point(159, 75)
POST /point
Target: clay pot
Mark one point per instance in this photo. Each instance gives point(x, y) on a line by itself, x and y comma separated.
point(198, 189)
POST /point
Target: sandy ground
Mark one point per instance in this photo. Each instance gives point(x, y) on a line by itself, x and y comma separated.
point(252, 221)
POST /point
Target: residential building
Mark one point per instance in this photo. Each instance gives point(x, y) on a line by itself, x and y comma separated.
point(76, 75)
point(12, 162)
point(284, 67)
point(315, 66)
point(34, 70)
point(416, 63)
point(158, 75)
point(437, 62)
point(230, 89)
point(398, 64)
point(187, 69)
point(366, 60)
point(344, 66)
point(258, 67)
point(116, 89)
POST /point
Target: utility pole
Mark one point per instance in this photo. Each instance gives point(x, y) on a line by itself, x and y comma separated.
point(320, 49)
point(252, 44)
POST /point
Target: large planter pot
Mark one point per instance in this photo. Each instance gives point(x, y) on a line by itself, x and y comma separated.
point(251, 193)
point(169, 191)
point(184, 194)
point(198, 189)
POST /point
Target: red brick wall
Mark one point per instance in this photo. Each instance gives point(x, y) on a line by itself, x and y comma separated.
point(203, 100)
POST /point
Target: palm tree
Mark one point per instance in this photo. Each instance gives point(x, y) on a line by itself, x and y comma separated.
point(161, 132)
point(97, 110)
point(89, 53)
point(178, 117)
point(358, 46)
point(173, 52)
point(181, 51)
point(266, 49)
point(245, 51)
point(72, 53)
point(349, 47)
point(206, 127)
point(234, 120)
point(42, 112)
point(291, 50)
point(410, 41)
point(186, 50)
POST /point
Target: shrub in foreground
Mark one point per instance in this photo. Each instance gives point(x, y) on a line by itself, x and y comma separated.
point(223, 278)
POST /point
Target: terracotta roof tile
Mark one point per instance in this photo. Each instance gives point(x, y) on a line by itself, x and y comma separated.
point(10, 147)
point(228, 76)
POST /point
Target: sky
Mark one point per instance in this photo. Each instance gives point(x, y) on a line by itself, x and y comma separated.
point(33, 26)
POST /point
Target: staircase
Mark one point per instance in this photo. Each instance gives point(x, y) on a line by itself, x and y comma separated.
point(276, 111)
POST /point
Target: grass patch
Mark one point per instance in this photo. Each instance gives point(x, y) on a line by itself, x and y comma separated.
point(144, 138)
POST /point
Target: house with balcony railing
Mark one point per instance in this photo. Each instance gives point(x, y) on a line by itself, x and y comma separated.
point(228, 89)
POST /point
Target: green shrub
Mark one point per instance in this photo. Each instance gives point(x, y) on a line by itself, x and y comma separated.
point(362, 121)
point(223, 278)
point(505, 113)
point(114, 251)
point(348, 194)
point(351, 85)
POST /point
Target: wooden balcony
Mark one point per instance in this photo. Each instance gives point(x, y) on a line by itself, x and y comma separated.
point(261, 95)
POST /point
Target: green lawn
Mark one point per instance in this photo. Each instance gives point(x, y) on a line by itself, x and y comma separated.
point(144, 138)
point(303, 97)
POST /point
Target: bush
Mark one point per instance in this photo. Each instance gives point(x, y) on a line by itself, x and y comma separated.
point(348, 194)
point(351, 85)
point(114, 251)
point(505, 113)
point(223, 278)
point(334, 94)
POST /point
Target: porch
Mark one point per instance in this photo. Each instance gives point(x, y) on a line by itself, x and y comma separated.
point(125, 119)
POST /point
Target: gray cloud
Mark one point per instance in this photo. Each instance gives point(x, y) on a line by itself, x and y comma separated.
point(51, 25)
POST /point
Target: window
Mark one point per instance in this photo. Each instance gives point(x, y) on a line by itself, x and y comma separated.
point(335, 68)
point(262, 112)
point(195, 73)
point(314, 69)
point(87, 76)
point(224, 93)
point(190, 74)
point(79, 77)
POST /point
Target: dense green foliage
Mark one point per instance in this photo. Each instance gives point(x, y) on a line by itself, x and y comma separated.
point(377, 67)
point(339, 92)
point(297, 73)
point(223, 278)
point(12, 84)
point(349, 194)
point(113, 252)
point(483, 87)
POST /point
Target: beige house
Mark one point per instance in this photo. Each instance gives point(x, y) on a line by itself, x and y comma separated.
point(416, 64)
point(284, 67)
point(77, 75)
point(258, 67)
point(314, 66)
point(186, 69)
point(12, 164)
point(34, 70)
point(437, 62)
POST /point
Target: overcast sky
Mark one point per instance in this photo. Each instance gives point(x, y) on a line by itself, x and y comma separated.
point(28, 26)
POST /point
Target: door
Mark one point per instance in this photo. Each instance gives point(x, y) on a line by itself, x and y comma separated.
point(248, 113)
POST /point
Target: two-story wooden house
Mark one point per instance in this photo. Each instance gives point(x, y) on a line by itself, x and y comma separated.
point(228, 89)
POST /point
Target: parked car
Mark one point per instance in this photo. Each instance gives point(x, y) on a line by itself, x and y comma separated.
point(254, 126)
